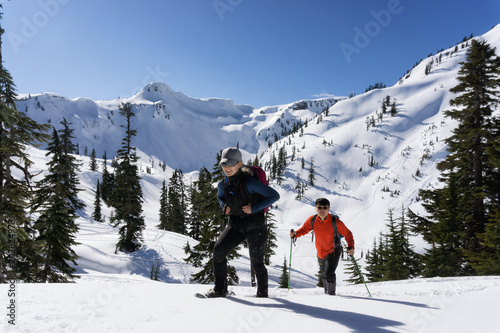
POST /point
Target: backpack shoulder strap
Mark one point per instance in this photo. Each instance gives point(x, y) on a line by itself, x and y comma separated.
point(334, 223)
point(337, 236)
point(312, 220)
point(243, 186)
point(335, 229)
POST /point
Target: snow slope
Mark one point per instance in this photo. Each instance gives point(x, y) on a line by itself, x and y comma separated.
point(115, 292)
point(113, 303)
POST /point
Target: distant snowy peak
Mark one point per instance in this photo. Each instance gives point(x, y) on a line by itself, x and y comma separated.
point(155, 91)
point(161, 93)
point(315, 103)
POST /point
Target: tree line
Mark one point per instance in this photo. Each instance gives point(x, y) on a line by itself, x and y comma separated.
point(461, 223)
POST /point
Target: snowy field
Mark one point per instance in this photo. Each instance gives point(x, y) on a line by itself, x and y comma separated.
point(112, 303)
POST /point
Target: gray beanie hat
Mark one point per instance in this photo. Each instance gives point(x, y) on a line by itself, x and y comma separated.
point(230, 156)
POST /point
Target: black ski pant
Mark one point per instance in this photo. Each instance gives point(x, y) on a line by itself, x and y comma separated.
point(327, 267)
point(231, 238)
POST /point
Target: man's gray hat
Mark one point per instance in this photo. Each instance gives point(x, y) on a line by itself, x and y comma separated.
point(230, 156)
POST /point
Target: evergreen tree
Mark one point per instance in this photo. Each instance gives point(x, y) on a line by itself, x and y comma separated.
point(274, 167)
point(394, 110)
point(177, 203)
point(93, 162)
point(401, 262)
point(445, 257)
point(283, 281)
point(57, 203)
point(312, 178)
point(281, 165)
point(387, 101)
point(271, 237)
point(352, 272)
point(411, 259)
point(393, 258)
point(300, 186)
point(460, 209)
point(107, 181)
point(392, 255)
point(394, 267)
point(163, 215)
point(375, 261)
point(97, 214)
point(384, 108)
point(19, 252)
point(200, 209)
point(486, 261)
point(127, 193)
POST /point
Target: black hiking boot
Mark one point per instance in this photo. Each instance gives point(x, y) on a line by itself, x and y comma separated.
point(330, 288)
point(262, 294)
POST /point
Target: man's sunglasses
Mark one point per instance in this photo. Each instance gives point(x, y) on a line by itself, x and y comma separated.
point(322, 207)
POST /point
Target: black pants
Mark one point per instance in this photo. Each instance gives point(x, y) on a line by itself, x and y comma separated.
point(231, 238)
point(327, 267)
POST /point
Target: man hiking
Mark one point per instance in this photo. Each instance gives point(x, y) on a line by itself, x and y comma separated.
point(327, 229)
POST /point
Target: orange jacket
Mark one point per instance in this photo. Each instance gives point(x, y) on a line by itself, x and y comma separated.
point(324, 234)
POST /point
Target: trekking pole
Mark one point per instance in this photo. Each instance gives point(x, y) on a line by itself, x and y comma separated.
point(359, 271)
point(290, 263)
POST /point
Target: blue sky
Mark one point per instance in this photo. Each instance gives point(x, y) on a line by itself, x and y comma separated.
point(257, 52)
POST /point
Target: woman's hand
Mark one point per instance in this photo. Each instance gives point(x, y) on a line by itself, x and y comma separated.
point(247, 209)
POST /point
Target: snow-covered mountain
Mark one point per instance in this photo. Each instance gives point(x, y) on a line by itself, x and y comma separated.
point(363, 170)
point(184, 132)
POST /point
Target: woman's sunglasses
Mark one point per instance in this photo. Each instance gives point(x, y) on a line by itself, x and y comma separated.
point(225, 164)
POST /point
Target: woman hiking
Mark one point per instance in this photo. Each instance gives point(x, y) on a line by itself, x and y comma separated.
point(244, 198)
